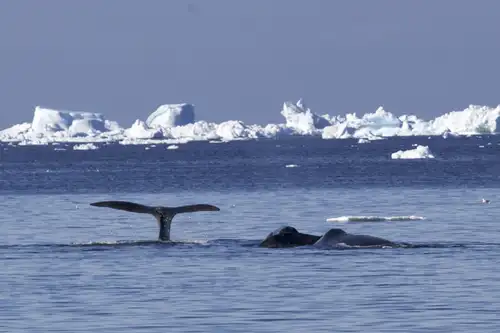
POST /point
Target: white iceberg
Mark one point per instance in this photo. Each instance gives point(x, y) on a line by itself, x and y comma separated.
point(73, 123)
point(419, 152)
point(301, 119)
point(171, 115)
point(175, 124)
point(473, 120)
point(338, 131)
point(140, 130)
point(50, 125)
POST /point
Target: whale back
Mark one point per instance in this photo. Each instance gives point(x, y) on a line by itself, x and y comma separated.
point(334, 237)
point(285, 230)
point(365, 240)
point(331, 237)
point(288, 237)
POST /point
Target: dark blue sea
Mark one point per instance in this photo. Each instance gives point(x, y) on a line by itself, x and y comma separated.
point(71, 267)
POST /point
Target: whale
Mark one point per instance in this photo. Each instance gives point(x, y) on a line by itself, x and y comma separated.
point(336, 236)
point(163, 215)
point(288, 236)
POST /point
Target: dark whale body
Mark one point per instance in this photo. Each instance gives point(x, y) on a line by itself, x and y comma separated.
point(290, 237)
point(335, 236)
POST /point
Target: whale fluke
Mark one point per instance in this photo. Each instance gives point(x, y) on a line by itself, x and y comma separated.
point(195, 208)
point(125, 205)
point(163, 215)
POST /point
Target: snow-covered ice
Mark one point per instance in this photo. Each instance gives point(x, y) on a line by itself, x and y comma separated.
point(85, 146)
point(176, 124)
point(171, 115)
point(419, 152)
point(344, 219)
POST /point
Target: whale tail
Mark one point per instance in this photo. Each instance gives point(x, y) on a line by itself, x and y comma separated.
point(164, 215)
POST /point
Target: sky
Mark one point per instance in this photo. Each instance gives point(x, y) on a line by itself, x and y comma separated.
point(240, 60)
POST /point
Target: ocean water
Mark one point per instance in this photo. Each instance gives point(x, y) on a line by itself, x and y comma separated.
point(70, 267)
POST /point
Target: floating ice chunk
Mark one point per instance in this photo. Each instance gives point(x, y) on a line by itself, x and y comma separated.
point(74, 123)
point(231, 130)
point(172, 147)
point(291, 166)
point(338, 131)
point(374, 218)
point(15, 132)
point(473, 120)
point(377, 120)
point(127, 141)
point(447, 133)
point(302, 119)
point(85, 146)
point(52, 125)
point(379, 123)
point(171, 115)
point(418, 153)
point(276, 130)
point(201, 130)
point(139, 130)
point(371, 126)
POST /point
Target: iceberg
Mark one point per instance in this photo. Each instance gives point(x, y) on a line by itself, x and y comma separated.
point(473, 120)
point(171, 115)
point(338, 131)
point(176, 124)
point(301, 119)
point(139, 130)
point(14, 132)
point(419, 152)
point(74, 123)
point(50, 125)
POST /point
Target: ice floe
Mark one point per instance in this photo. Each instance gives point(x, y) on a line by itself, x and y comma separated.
point(420, 152)
point(85, 146)
point(344, 219)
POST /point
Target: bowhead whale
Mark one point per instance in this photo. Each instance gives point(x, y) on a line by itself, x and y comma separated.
point(290, 237)
point(337, 236)
point(164, 215)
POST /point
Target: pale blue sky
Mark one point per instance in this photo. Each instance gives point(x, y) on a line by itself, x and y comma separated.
point(242, 59)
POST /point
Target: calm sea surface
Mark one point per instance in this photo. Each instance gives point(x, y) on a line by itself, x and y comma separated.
point(70, 267)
